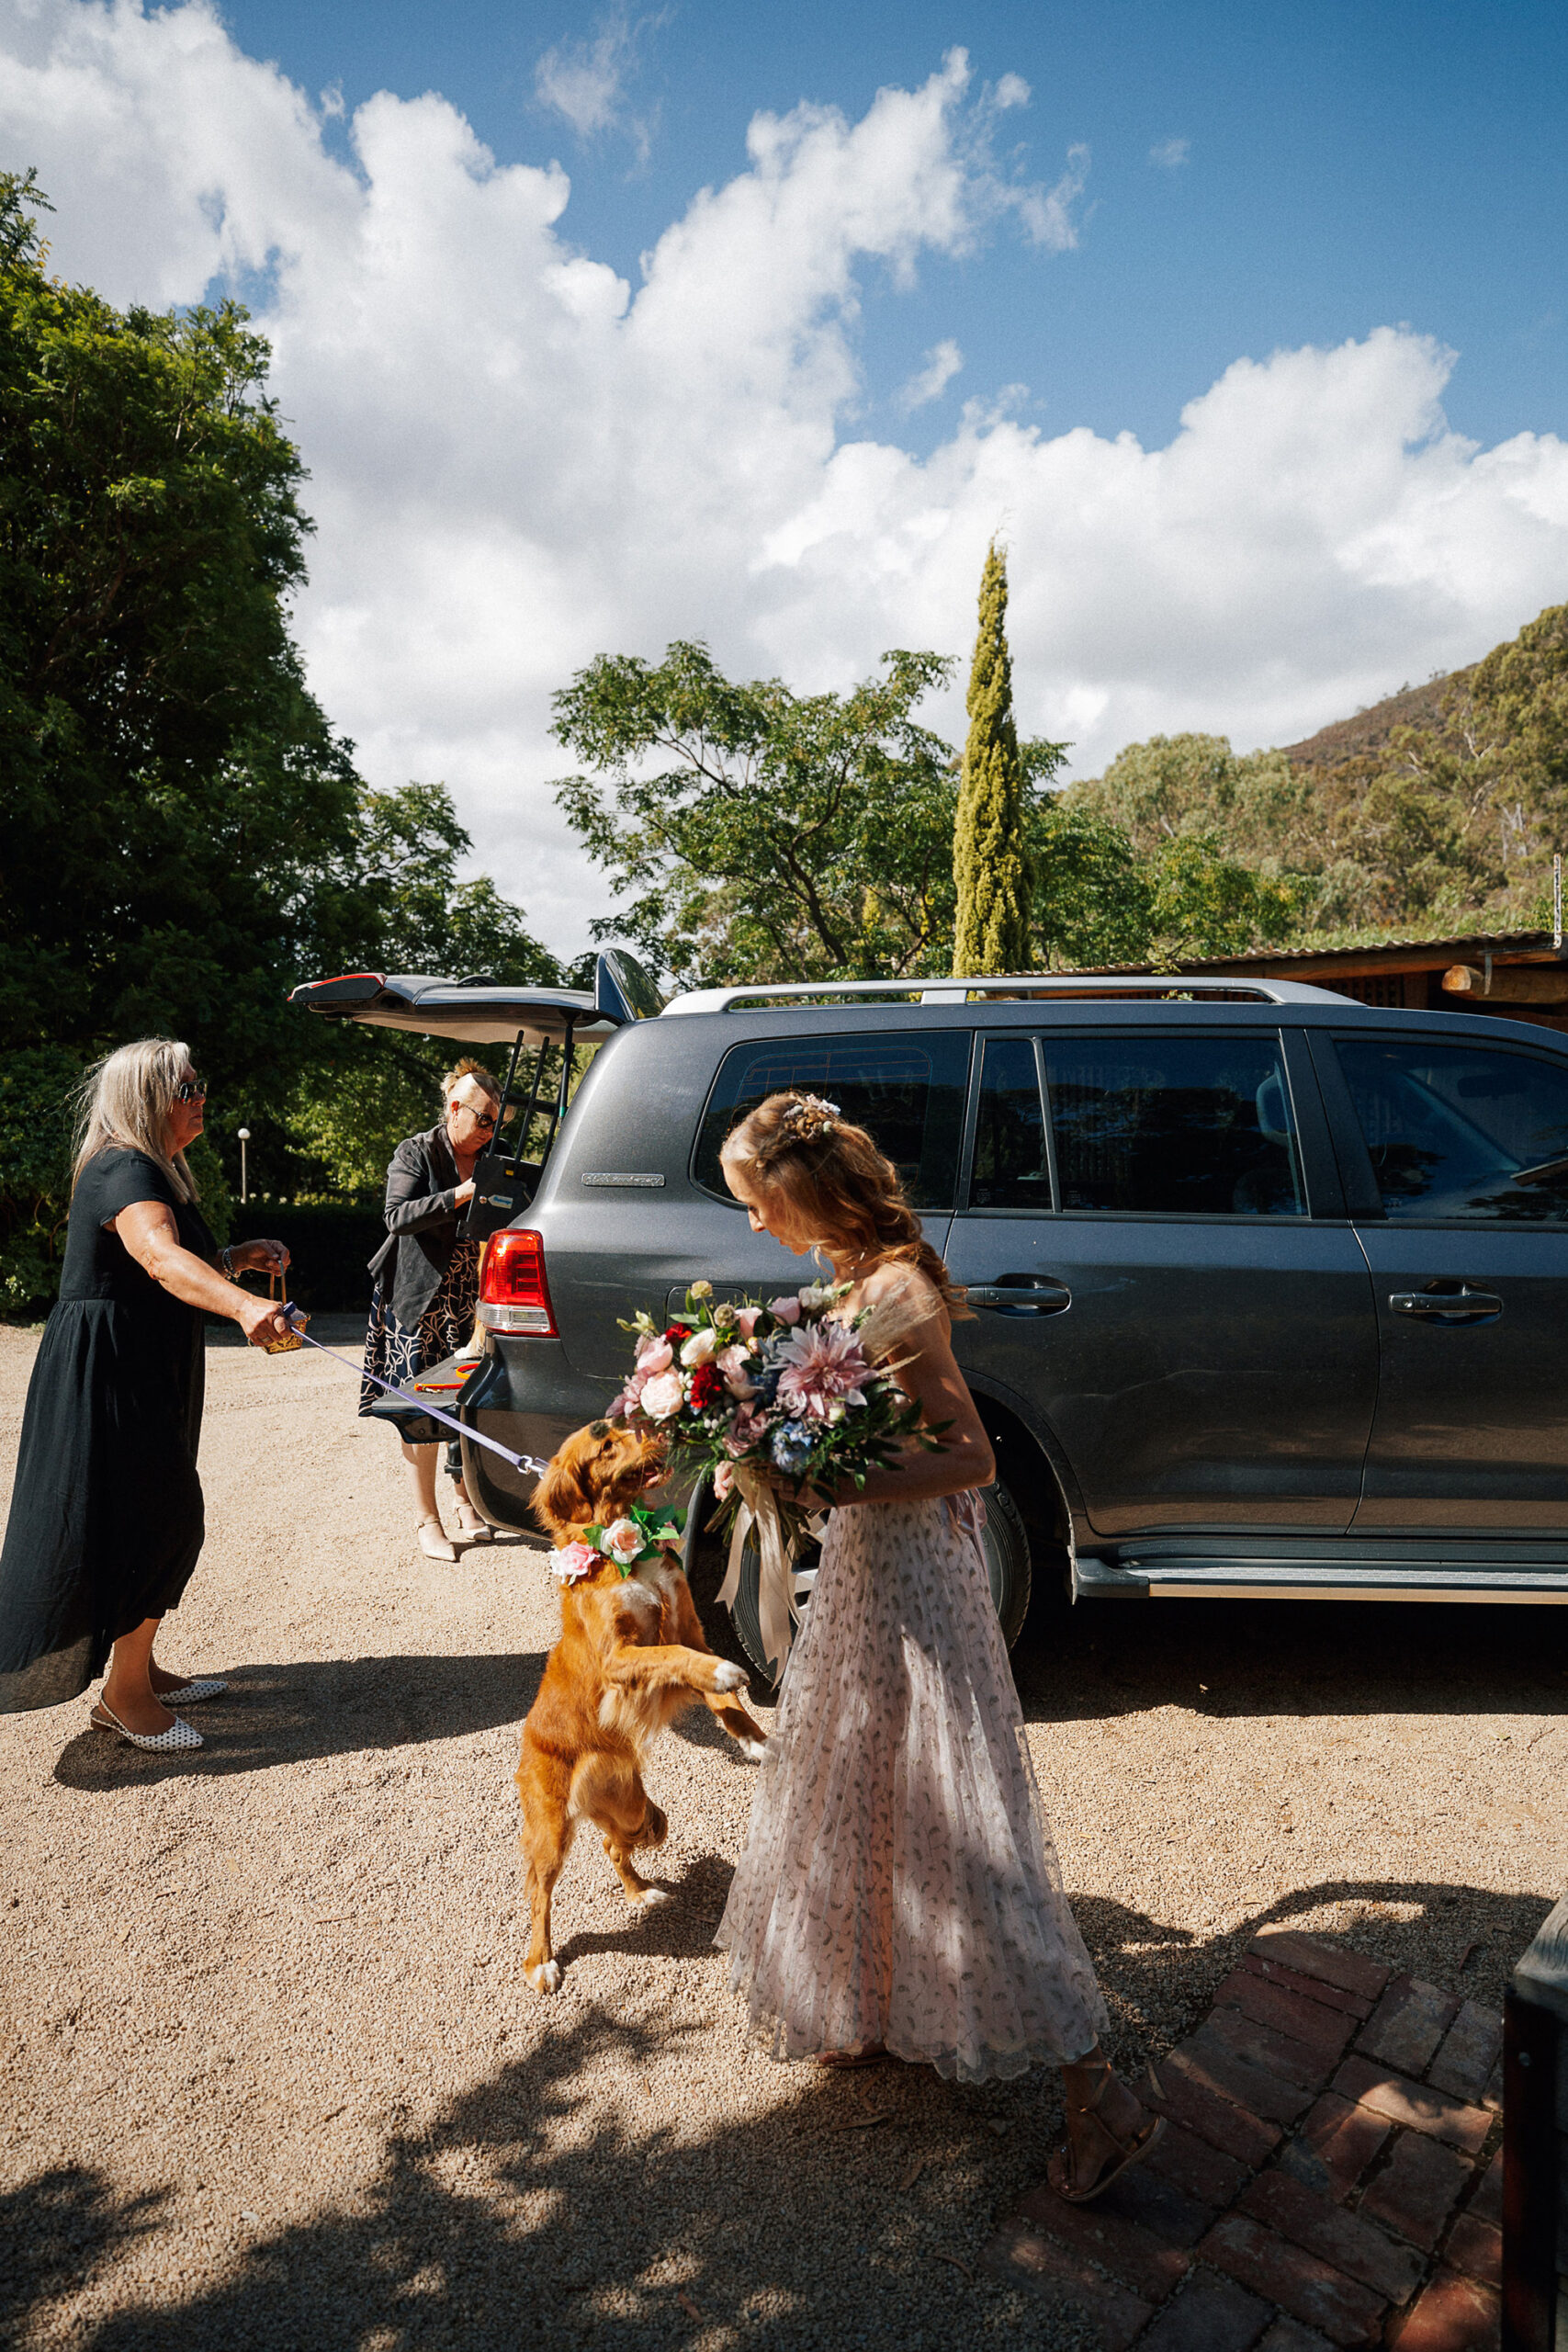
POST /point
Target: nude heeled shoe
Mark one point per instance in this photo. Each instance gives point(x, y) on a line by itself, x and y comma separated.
point(432, 1541)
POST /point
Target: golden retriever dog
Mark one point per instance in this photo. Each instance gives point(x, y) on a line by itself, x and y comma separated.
point(630, 1656)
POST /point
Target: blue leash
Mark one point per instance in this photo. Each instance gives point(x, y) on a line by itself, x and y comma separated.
point(527, 1463)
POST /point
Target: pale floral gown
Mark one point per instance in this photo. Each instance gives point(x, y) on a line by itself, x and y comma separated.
point(898, 1883)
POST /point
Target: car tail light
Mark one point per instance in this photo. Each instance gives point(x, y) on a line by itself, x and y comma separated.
point(513, 1293)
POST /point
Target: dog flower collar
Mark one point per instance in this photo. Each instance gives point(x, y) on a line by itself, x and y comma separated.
point(639, 1536)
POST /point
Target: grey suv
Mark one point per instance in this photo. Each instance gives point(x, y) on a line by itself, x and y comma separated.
point(1269, 1286)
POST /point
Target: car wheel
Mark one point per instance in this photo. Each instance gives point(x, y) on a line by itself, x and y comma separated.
point(1004, 1541)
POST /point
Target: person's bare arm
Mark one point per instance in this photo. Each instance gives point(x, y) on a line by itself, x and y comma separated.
point(149, 1232)
point(928, 1369)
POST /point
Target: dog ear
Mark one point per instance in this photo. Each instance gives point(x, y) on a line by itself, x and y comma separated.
point(560, 1498)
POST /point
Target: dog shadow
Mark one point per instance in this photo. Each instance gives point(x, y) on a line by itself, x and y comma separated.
point(278, 1714)
point(679, 1928)
point(700, 1727)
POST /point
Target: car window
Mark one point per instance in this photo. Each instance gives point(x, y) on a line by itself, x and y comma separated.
point(1011, 1168)
point(1450, 1128)
point(909, 1091)
point(1193, 1126)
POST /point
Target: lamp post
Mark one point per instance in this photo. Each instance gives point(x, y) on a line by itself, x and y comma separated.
point(245, 1134)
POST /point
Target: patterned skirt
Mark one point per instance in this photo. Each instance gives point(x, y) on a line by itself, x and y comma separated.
point(393, 1353)
point(899, 1883)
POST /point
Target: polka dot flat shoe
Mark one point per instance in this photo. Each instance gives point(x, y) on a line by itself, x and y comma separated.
point(191, 1694)
point(157, 1743)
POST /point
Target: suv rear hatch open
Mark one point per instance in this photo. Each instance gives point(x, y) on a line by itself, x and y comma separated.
point(546, 1030)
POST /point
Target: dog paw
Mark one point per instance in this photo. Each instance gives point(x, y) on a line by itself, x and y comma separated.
point(754, 1750)
point(650, 1897)
point(546, 1978)
point(727, 1677)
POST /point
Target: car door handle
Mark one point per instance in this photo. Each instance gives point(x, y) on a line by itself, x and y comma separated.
point(1030, 1295)
point(1461, 1305)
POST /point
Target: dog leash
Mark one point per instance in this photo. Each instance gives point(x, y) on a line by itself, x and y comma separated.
point(527, 1463)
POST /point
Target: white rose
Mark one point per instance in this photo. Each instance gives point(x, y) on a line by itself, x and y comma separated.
point(662, 1396)
point(701, 1348)
point(624, 1542)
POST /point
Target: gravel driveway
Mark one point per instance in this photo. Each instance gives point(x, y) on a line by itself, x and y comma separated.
point(275, 2078)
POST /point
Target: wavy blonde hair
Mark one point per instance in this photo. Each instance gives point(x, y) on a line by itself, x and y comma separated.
point(841, 1183)
point(127, 1100)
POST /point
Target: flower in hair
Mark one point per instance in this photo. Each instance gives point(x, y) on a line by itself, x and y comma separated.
point(808, 1116)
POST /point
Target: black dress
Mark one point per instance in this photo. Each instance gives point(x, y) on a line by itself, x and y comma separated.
point(106, 1513)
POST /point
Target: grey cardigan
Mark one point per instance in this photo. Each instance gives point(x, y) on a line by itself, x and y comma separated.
point(422, 1216)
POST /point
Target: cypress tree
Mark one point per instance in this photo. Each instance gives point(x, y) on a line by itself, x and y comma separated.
point(990, 861)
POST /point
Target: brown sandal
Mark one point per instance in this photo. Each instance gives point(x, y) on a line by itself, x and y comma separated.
point(1120, 2155)
point(868, 2053)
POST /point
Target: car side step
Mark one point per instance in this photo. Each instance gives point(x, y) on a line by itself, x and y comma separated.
point(1150, 1577)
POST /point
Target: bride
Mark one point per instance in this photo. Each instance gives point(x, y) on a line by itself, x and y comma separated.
point(898, 1894)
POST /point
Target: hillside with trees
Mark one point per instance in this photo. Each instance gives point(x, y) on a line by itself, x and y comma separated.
point(1438, 810)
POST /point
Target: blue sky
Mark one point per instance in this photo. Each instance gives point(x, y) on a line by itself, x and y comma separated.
point(1244, 326)
point(1347, 166)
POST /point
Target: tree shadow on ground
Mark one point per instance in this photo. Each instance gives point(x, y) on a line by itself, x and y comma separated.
point(1284, 1657)
point(539, 2206)
point(56, 2232)
point(284, 1713)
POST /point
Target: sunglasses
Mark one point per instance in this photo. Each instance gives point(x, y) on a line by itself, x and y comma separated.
point(192, 1090)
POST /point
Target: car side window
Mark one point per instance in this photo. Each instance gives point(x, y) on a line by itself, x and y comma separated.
point(910, 1091)
point(1011, 1168)
point(1461, 1131)
point(1189, 1126)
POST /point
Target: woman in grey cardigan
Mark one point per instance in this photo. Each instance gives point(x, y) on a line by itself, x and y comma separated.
point(427, 1281)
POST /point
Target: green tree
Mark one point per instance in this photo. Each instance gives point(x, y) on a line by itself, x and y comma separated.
point(368, 1087)
point(758, 834)
point(182, 835)
point(1098, 900)
point(991, 853)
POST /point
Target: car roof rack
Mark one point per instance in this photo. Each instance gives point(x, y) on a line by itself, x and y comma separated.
point(1009, 989)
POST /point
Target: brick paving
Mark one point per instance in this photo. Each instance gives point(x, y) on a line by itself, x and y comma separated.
point(1330, 2173)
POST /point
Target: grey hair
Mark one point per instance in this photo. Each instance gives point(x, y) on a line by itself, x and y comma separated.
point(128, 1099)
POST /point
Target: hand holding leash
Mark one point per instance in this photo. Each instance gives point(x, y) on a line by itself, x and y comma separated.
point(529, 1464)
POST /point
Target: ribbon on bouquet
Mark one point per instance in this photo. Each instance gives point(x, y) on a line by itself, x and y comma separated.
point(778, 1614)
point(528, 1462)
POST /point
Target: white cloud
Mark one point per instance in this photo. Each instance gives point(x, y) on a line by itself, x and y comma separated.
point(1169, 154)
point(942, 362)
point(519, 461)
point(586, 80)
point(1047, 213)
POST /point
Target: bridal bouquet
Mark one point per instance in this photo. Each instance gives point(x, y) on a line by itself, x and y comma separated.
point(773, 1399)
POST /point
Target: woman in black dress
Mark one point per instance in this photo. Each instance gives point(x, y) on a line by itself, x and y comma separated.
point(427, 1281)
point(107, 1512)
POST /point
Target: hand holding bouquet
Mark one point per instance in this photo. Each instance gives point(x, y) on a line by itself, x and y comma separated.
point(776, 1401)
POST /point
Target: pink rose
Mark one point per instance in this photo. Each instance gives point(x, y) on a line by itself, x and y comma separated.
point(655, 1355)
point(786, 1310)
point(723, 1483)
point(736, 1372)
point(663, 1396)
point(624, 1541)
point(746, 1319)
point(574, 1560)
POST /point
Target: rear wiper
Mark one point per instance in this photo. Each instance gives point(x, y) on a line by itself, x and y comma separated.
point(1542, 1174)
